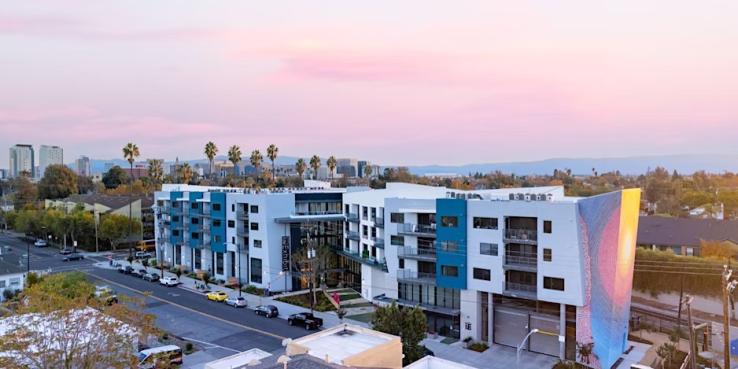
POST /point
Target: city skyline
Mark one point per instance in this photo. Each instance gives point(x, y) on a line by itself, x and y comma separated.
point(393, 83)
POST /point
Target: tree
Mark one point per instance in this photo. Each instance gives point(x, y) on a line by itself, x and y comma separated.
point(256, 159)
point(210, 151)
point(114, 177)
point(85, 185)
point(58, 182)
point(409, 323)
point(331, 163)
point(114, 228)
point(156, 170)
point(130, 153)
point(272, 152)
point(234, 156)
point(300, 167)
point(25, 193)
point(367, 171)
point(315, 164)
point(185, 173)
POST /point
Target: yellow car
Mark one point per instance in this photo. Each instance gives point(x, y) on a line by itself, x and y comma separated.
point(219, 296)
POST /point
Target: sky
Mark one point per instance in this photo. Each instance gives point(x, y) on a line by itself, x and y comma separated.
point(394, 82)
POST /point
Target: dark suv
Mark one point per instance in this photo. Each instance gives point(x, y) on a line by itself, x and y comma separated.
point(269, 311)
point(307, 320)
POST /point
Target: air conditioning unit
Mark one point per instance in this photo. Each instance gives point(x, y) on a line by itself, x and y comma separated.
point(527, 197)
point(541, 197)
point(512, 196)
point(549, 197)
point(520, 197)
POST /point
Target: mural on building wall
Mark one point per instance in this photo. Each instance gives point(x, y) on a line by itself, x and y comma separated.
point(607, 229)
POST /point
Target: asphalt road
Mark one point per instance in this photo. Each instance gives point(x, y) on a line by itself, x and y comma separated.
point(42, 258)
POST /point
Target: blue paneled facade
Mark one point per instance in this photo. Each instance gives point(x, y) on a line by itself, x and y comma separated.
point(177, 221)
point(218, 221)
point(451, 246)
point(194, 227)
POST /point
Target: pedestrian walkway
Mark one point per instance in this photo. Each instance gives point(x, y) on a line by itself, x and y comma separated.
point(495, 357)
point(330, 319)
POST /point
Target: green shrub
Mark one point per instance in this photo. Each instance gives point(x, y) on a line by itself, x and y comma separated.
point(478, 346)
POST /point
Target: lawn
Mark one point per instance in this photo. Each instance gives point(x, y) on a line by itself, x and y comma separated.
point(364, 318)
point(304, 300)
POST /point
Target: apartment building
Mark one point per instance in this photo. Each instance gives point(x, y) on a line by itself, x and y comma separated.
point(246, 235)
point(21, 160)
point(49, 155)
point(83, 166)
point(495, 264)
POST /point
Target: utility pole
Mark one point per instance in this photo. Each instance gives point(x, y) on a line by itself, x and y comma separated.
point(727, 286)
point(692, 344)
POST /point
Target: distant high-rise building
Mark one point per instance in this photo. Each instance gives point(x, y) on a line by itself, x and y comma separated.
point(108, 166)
point(348, 167)
point(21, 160)
point(49, 155)
point(83, 166)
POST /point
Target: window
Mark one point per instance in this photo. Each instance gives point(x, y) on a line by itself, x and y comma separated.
point(402, 263)
point(449, 246)
point(194, 205)
point(485, 223)
point(2, 283)
point(374, 232)
point(195, 236)
point(482, 274)
point(175, 218)
point(195, 220)
point(347, 209)
point(257, 244)
point(449, 221)
point(488, 248)
point(215, 207)
point(233, 240)
point(397, 240)
point(449, 271)
point(365, 231)
point(15, 281)
point(233, 207)
point(547, 226)
point(254, 209)
point(216, 223)
point(551, 283)
point(219, 263)
point(364, 212)
point(231, 223)
point(546, 254)
point(175, 232)
point(254, 226)
point(397, 217)
point(255, 270)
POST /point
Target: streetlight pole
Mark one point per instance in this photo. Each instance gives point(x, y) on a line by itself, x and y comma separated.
point(238, 251)
point(727, 286)
point(692, 344)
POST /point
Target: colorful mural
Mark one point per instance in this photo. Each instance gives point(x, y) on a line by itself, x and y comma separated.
point(608, 226)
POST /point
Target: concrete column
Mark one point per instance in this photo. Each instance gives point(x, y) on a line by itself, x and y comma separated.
point(562, 331)
point(490, 319)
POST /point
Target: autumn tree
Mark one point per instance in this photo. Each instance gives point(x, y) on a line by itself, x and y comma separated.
point(408, 323)
point(58, 182)
point(114, 228)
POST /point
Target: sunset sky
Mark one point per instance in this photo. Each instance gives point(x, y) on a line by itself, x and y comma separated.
point(394, 82)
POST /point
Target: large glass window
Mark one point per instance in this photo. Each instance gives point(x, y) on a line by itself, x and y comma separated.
point(551, 283)
point(254, 209)
point(449, 221)
point(482, 274)
point(449, 246)
point(219, 263)
point(547, 255)
point(547, 226)
point(255, 270)
point(450, 271)
point(257, 244)
point(488, 248)
point(485, 223)
point(397, 240)
point(397, 217)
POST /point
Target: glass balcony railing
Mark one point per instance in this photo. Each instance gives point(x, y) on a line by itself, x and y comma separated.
point(415, 276)
point(521, 235)
point(379, 242)
point(520, 287)
point(352, 217)
point(418, 229)
point(417, 252)
point(352, 235)
point(378, 221)
point(525, 259)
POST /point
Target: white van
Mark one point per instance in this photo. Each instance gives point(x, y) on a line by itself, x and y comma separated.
point(168, 355)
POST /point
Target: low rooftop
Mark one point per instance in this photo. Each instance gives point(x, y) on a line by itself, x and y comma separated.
point(341, 342)
point(666, 231)
point(11, 263)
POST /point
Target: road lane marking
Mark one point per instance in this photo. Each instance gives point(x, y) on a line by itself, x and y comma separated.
point(270, 334)
point(211, 345)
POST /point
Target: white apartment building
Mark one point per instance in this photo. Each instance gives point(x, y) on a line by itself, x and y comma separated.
point(21, 160)
point(49, 155)
point(83, 166)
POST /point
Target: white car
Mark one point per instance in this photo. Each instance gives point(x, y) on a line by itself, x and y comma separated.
point(169, 281)
point(40, 243)
point(236, 301)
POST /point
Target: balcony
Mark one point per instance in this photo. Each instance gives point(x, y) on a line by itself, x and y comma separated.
point(527, 236)
point(206, 212)
point(356, 256)
point(206, 240)
point(418, 230)
point(378, 242)
point(416, 277)
point(242, 214)
point(352, 217)
point(527, 261)
point(242, 231)
point(175, 210)
point(378, 222)
point(520, 289)
point(352, 235)
point(419, 253)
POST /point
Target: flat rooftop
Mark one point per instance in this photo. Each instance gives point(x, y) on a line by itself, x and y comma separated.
point(341, 342)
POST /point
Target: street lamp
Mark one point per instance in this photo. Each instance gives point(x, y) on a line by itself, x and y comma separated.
point(238, 251)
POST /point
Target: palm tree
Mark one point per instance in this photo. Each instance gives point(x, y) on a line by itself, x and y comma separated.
point(331, 163)
point(210, 151)
point(300, 167)
point(156, 170)
point(130, 153)
point(272, 152)
point(234, 156)
point(185, 173)
point(256, 159)
point(315, 164)
point(368, 171)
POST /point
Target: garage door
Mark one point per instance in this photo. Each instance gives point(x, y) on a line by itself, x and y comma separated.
point(544, 344)
point(510, 326)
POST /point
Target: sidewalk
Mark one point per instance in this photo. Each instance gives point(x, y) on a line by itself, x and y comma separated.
point(330, 319)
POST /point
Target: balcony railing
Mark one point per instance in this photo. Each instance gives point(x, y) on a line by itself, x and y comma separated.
point(206, 212)
point(418, 229)
point(527, 259)
point(379, 242)
point(378, 221)
point(417, 253)
point(521, 235)
point(242, 214)
point(520, 287)
point(368, 260)
point(352, 235)
point(242, 231)
point(415, 276)
point(352, 217)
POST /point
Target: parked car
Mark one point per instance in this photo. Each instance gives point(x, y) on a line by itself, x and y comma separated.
point(238, 302)
point(125, 269)
point(73, 256)
point(143, 255)
point(151, 277)
point(269, 311)
point(40, 243)
point(160, 357)
point(307, 320)
point(66, 251)
point(219, 296)
point(169, 281)
point(139, 273)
